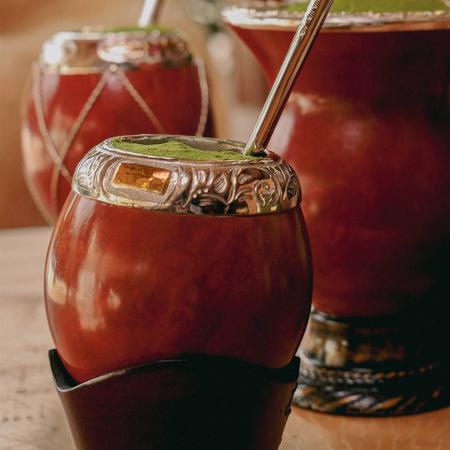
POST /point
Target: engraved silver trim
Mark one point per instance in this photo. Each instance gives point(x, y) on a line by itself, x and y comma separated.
point(93, 51)
point(261, 16)
point(262, 186)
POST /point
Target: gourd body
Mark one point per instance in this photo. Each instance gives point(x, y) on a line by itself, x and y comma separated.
point(367, 128)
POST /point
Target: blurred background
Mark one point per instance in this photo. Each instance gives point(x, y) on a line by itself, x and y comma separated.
point(236, 82)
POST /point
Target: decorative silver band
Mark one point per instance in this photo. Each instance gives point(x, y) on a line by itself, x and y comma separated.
point(241, 187)
point(259, 15)
point(90, 51)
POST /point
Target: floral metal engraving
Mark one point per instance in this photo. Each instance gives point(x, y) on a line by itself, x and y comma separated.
point(217, 188)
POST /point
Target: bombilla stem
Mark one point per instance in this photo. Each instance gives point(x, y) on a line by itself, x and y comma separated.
point(150, 12)
point(298, 51)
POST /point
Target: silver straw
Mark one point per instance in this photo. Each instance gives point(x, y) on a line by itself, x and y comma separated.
point(150, 12)
point(298, 51)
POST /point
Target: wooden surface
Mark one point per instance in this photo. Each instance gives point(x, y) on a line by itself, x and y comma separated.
point(31, 417)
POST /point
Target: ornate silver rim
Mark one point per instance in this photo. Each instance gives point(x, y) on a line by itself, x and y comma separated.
point(258, 16)
point(222, 188)
point(94, 50)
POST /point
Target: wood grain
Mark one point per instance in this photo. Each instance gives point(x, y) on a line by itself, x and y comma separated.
point(314, 431)
point(31, 417)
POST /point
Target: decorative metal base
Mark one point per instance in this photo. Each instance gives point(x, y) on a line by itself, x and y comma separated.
point(370, 367)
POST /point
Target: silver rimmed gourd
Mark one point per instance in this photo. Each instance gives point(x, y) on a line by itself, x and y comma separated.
point(178, 246)
point(367, 128)
point(95, 83)
point(345, 15)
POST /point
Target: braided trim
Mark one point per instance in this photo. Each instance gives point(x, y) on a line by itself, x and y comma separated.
point(43, 211)
point(42, 124)
point(87, 107)
point(360, 376)
point(139, 100)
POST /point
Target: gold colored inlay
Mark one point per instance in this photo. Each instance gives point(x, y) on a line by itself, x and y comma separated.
point(153, 179)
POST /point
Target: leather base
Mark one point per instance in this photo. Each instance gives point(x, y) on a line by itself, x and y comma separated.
point(197, 402)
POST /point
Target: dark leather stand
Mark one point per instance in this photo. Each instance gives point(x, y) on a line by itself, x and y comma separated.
point(198, 403)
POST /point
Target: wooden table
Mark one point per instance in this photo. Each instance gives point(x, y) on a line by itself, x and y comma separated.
point(31, 417)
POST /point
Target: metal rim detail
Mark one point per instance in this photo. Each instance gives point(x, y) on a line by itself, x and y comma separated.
point(256, 15)
point(250, 187)
point(88, 51)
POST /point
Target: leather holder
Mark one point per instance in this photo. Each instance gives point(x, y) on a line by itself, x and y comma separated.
point(196, 402)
